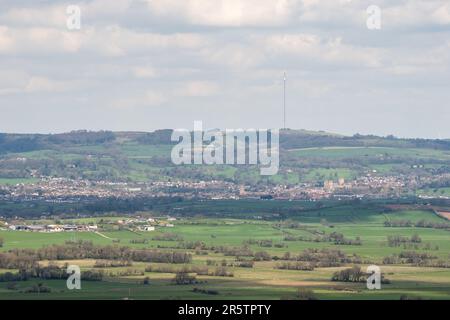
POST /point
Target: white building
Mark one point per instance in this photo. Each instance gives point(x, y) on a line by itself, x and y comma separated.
point(54, 228)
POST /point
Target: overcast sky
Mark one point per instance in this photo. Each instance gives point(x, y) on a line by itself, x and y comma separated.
point(148, 64)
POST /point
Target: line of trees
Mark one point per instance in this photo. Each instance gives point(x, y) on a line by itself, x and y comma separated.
point(396, 240)
point(199, 270)
point(112, 263)
point(47, 273)
point(323, 257)
point(334, 237)
point(415, 258)
point(354, 274)
point(184, 278)
point(419, 224)
point(304, 266)
point(28, 258)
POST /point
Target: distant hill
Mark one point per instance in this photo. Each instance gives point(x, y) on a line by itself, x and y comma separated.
point(306, 156)
point(289, 139)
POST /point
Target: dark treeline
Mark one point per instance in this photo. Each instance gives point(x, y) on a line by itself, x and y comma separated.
point(27, 258)
point(177, 206)
point(234, 251)
point(184, 278)
point(316, 257)
point(47, 273)
point(354, 274)
point(289, 139)
point(396, 240)
point(112, 263)
point(298, 265)
point(334, 237)
point(89, 206)
point(81, 137)
point(417, 259)
point(156, 138)
point(199, 270)
point(139, 241)
point(197, 245)
point(323, 257)
point(219, 271)
point(419, 224)
point(263, 243)
point(32, 142)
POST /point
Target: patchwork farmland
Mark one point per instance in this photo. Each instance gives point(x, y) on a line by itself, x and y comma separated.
point(249, 259)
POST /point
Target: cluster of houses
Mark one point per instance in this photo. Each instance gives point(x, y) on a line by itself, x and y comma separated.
point(147, 224)
point(53, 228)
point(138, 224)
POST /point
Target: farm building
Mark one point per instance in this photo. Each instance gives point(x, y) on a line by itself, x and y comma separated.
point(147, 228)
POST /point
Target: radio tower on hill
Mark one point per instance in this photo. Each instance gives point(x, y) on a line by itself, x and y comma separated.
point(284, 100)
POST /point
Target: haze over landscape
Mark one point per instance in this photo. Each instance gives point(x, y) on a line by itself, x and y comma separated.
point(142, 65)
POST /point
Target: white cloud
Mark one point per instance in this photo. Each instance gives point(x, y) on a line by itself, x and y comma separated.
point(43, 84)
point(18, 82)
point(37, 40)
point(46, 16)
point(149, 98)
point(105, 8)
point(199, 89)
point(232, 13)
point(328, 51)
point(298, 13)
point(6, 40)
point(442, 14)
point(55, 15)
point(416, 14)
point(234, 55)
point(144, 72)
point(109, 41)
point(154, 98)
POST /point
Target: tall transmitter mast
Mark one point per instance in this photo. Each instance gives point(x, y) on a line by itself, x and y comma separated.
point(284, 100)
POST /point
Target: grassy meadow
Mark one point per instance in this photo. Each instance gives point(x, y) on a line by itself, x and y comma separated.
point(263, 281)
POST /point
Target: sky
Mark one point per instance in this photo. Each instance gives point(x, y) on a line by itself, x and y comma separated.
point(141, 65)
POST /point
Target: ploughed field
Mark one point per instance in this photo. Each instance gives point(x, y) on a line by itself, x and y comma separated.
point(255, 259)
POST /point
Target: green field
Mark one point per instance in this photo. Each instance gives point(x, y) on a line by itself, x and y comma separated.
point(14, 181)
point(436, 192)
point(262, 281)
point(351, 152)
